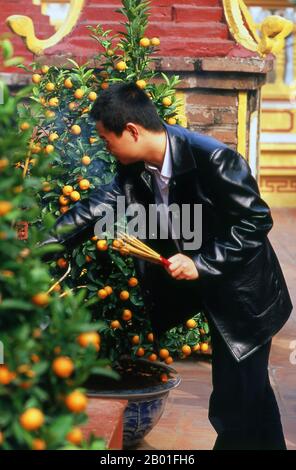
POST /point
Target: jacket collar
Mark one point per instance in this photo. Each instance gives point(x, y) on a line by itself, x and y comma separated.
point(182, 158)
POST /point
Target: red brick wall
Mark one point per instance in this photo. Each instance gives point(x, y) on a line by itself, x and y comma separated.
point(191, 28)
point(195, 44)
point(213, 112)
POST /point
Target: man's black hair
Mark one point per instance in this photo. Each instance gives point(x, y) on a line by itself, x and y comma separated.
point(122, 103)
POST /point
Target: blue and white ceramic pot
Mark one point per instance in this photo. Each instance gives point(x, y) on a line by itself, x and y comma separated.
point(145, 405)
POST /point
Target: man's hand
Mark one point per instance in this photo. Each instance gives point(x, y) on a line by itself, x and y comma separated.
point(182, 267)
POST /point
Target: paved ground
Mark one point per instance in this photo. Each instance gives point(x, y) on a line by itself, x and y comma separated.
point(184, 424)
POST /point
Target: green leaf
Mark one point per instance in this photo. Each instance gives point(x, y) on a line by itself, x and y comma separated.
point(69, 447)
point(86, 327)
point(80, 259)
point(24, 67)
point(14, 61)
point(40, 394)
point(73, 62)
point(7, 49)
point(48, 221)
point(192, 336)
point(136, 299)
point(98, 445)
point(14, 304)
point(92, 288)
point(105, 372)
point(18, 432)
point(40, 367)
point(5, 417)
point(58, 430)
point(93, 300)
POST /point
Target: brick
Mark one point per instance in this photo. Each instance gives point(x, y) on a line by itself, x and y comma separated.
point(193, 64)
point(222, 81)
point(175, 32)
point(91, 3)
point(211, 99)
point(189, 13)
point(189, 30)
point(83, 43)
point(212, 116)
point(167, 47)
point(228, 136)
point(225, 135)
point(101, 13)
point(233, 147)
point(235, 64)
point(105, 420)
point(201, 3)
point(161, 13)
point(195, 47)
point(15, 79)
point(60, 60)
point(227, 116)
point(200, 116)
point(174, 64)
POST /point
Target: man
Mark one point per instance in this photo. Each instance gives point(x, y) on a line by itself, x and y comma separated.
point(234, 275)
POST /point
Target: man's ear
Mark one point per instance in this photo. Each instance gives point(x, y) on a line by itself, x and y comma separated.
point(133, 130)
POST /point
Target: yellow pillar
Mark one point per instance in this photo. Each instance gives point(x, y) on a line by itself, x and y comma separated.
point(242, 123)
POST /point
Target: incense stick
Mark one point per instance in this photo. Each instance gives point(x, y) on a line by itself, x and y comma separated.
point(135, 247)
point(131, 251)
point(138, 244)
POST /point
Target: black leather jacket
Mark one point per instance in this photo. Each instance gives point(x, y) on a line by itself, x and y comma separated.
point(241, 286)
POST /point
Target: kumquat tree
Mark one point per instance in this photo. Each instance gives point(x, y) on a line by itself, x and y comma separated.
point(66, 136)
point(49, 341)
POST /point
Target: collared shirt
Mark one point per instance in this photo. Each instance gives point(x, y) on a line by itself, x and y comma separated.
point(161, 181)
point(162, 177)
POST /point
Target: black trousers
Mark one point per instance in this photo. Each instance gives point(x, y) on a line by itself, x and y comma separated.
point(243, 409)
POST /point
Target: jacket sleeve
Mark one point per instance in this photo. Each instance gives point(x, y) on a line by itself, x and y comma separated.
point(245, 218)
point(77, 224)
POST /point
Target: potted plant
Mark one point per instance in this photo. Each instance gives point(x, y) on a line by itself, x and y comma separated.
point(146, 386)
point(61, 100)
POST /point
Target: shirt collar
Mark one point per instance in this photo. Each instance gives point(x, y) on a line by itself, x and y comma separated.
point(166, 170)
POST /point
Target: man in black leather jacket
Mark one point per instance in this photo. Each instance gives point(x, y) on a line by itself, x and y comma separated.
point(234, 276)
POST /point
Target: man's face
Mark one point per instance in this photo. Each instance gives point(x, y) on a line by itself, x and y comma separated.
point(124, 147)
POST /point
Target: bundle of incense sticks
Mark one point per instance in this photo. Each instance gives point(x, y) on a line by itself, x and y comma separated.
point(130, 245)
